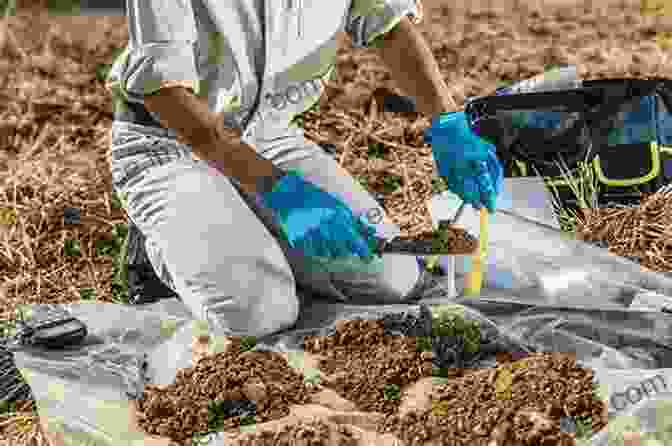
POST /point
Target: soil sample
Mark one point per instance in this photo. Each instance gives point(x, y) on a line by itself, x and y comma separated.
point(447, 240)
point(368, 367)
point(517, 403)
point(243, 385)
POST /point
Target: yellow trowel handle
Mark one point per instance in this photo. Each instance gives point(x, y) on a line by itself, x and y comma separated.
point(474, 278)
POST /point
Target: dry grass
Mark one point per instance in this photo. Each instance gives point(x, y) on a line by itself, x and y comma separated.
point(643, 233)
point(55, 118)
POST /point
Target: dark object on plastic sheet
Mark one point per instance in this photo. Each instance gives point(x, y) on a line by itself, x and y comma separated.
point(388, 101)
point(220, 410)
point(144, 285)
point(329, 148)
point(13, 388)
point(399, 104)
point(71, 216)
point(54, 330)
point(541, 128)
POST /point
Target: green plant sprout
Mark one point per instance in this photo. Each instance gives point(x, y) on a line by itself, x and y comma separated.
point(72, 248)
point(300, 119)
point(87, 293)
point(311, 376)
point(118, 200)
point(247, 420)
point(120, 271)
point(584, 426)
point(247, 343)
point(453, 325)
point(449, 323)
point(423, 344)
point(7, 407)
point(584, 186)
point(391, 183)
point(391, 392)
point(8, 7)
point(504, 83)
point(441, 240)
point(363, 180)
point(377, 150)
point(439, 185)
point(216, 417)
point(112, 247)
point(63, 7)
point(102, 70)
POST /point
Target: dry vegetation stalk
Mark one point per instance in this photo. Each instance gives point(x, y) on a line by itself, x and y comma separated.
point(643, 232)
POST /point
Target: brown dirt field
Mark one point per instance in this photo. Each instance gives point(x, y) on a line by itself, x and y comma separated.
point(55, 118)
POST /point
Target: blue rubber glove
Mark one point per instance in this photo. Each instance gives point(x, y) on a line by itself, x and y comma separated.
point(316, 222)
point(468, 163)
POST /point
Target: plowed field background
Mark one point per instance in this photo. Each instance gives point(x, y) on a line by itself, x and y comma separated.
point(55, 117)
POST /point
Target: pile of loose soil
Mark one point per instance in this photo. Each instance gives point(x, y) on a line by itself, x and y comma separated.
point(180, 410)
point(361, 362)
point(474, 410)
point(520, 402)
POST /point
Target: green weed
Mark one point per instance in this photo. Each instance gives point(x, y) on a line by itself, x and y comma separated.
point(504, 83)
point(8, 7)
point(391, 392)
point(391, 183)
point(118, 200)
point(423, 344)
point(216, 413)
point(584, 186)
point(72, 248)
point(102, 70)
point(452, 325)
point(377, 150)
point(7, 407)
point(120, 266)
point(247, 343)
point(584, 426)
point(439, 185)
point(63, 7)
point(300, 119)
point(247, 420)
point(87, 293)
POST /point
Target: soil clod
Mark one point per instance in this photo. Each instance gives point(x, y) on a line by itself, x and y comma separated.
point(233, 378)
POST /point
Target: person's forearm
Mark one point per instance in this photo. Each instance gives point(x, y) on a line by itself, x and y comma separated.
point(410, 60)
point(221, 147)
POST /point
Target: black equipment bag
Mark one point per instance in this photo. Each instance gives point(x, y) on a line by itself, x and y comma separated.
point(624, 125)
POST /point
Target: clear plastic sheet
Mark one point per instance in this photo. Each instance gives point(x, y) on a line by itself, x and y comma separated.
point(85, 392)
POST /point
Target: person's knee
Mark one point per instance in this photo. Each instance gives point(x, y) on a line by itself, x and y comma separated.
point(271, 309)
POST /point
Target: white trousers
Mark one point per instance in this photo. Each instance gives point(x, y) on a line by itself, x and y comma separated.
point(220, 250)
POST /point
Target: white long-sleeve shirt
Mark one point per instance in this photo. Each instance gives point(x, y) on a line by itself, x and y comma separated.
point(231, 50)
